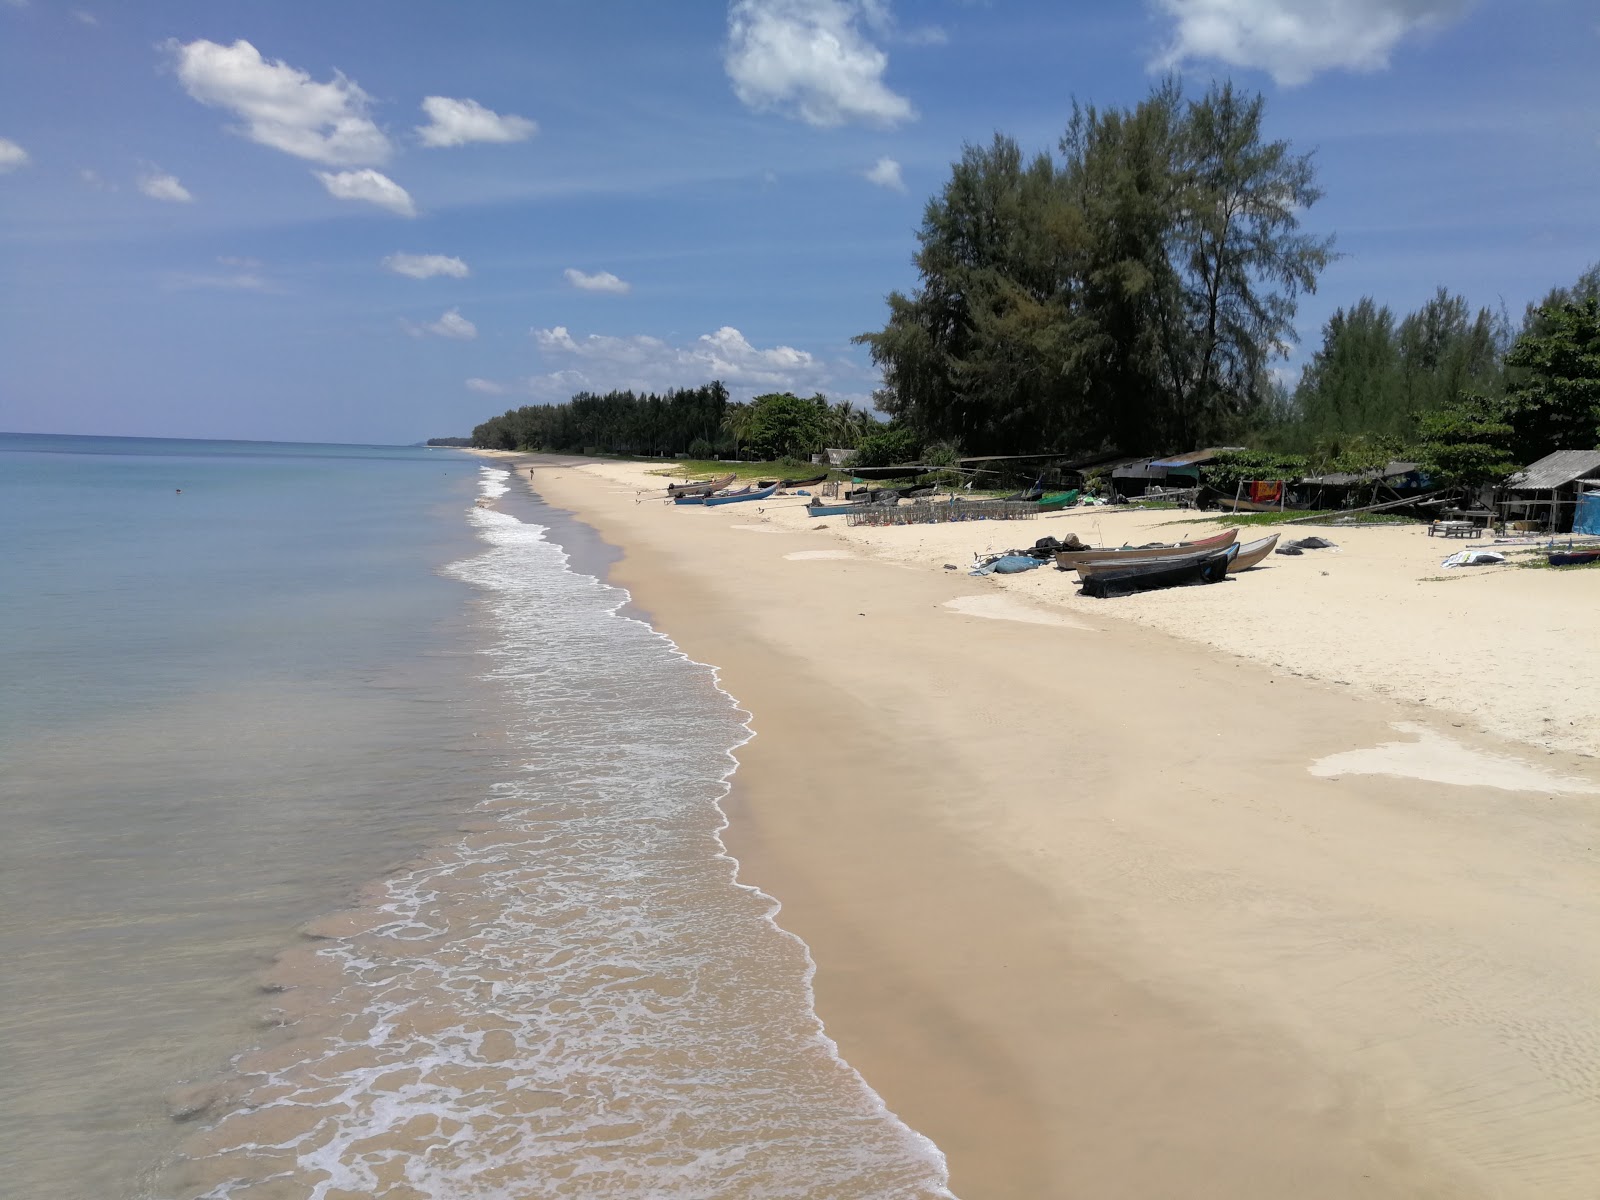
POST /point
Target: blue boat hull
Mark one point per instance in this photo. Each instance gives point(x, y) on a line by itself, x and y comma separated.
point(759, 494)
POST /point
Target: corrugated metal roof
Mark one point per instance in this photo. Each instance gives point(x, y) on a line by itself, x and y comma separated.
point(1554, 470)
point(1194, 458)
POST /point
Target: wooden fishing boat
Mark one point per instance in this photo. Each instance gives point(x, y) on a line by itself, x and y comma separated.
point(842, 510)
point(703, 488)
point(1205, 566)
point(1252, 553)
point(812, 482)
point(1057, 501)
point(1069, 560)
point(741, 496)
point(1574, 558)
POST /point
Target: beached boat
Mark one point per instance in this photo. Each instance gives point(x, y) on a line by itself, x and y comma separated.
point(842, 510)
point(741, 496)
point(703, 488)
point(1069, 560)
point(1057, 501)
point(1206, 566)
point(1574, 558)
point(811, 482)
point(1252, 553)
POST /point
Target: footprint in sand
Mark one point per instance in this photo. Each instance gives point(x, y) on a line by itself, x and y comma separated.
point(802, 555)
point(756, 528)
point(1436, 759)
point(1004, 608)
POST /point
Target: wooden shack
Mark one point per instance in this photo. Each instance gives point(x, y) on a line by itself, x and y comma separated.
point(1543, 496)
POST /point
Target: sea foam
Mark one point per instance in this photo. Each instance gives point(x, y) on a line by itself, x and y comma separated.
point(578, 998)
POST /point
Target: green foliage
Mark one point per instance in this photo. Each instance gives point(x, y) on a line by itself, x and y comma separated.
point(1242, 466)
point(1374, 376)
point(1554, 401)
point(616, 423)
point(1130, 295)
point(782, 424)
point(1466, 443)
point(888, 446)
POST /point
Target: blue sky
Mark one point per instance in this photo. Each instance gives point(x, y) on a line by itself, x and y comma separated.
point(374, 221)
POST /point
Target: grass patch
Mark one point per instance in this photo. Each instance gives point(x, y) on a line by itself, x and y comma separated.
point(691, 468)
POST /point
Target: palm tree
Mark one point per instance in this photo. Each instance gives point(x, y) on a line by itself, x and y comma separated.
point(736, 420)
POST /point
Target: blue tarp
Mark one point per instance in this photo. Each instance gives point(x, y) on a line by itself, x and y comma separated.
point(1587, 517)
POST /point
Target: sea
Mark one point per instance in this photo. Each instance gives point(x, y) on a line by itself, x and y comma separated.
point(361, 841)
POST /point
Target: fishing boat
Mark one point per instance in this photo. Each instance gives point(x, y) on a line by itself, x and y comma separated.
point(812, 482)
point(1069, 560)
point(1252, 553)
point(816, 509)
point(1574, 558)
point(743, 495)
point(1057, 501)
point(703, 488)
point(1205, 566)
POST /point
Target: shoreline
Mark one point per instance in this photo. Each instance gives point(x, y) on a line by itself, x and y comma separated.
point(1037, 984)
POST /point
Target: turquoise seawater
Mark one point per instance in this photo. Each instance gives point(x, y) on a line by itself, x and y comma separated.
point(222, 709)
point(359, 842)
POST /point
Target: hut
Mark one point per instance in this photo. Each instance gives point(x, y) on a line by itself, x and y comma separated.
point(1543, 496)
point(1344, 489)
point(1174, 473)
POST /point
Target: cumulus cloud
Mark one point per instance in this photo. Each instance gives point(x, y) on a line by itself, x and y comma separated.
point(159, 185)
point(1295, 39)
point(457, 122)
point(12, 156)
point(282, 106)
point(600, 281)
point(886, 174)
point(813, 59)
point(601, 363)
point(372, 186)
point(450, 325)
point(426, 266)
point(487, 387)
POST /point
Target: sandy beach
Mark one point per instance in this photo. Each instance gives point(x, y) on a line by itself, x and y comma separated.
point(1280, 887)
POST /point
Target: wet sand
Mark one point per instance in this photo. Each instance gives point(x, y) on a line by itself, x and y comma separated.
point(1084, 914)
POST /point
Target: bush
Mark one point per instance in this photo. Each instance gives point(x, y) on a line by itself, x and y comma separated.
point(887, 447)
point(700, 448)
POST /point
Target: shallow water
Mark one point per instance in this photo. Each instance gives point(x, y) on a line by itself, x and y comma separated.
point(569, 995)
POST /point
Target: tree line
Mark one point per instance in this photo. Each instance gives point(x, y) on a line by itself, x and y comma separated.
point(1132, 293)
point(699, 422)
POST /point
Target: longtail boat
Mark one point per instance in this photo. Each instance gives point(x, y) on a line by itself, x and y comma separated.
point(741, 496)
point(1069, 560)
point(1251, 553)
point(843, 510)
point(703, 488)
point(1203, 566)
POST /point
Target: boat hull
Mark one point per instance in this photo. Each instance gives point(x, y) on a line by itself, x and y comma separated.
point(1206, 567)
point(741, 497)
point(1252, 553)
point(1070, 560)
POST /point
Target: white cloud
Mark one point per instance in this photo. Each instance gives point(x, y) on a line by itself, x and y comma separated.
point(811, 59)
point(450, 325)
point(159, 185)
point(457, 122)
point(91, 178)
point(282, 106)
point(242, 276)
point(601, 363)
point(886, 174)
point(487, 387)
point(925, 35)
point(84, 18)
point(426, 266)
point(372, 186)
point(600, 281)
point(1295, 39)
point(12, 156)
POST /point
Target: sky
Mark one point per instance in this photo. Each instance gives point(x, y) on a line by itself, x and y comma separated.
point(381, 222)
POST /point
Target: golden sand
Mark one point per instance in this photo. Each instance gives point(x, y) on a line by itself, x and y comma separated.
point(1082, 912)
